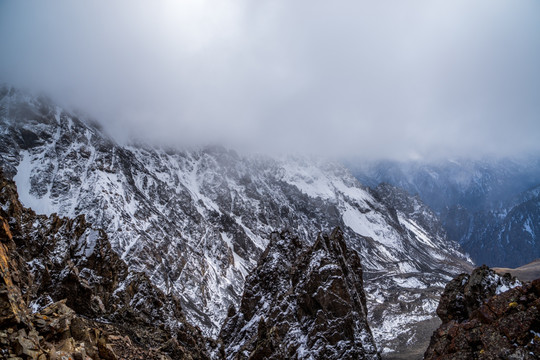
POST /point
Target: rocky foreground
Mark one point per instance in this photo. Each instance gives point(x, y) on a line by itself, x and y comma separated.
point(64, 294)
point(487, 316)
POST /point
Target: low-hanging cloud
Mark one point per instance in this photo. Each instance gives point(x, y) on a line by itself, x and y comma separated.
point(384, 79)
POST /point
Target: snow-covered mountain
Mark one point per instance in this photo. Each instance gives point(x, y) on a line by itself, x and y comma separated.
point(197, 221)
point(491, 207)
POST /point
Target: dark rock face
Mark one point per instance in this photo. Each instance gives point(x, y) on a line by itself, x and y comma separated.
point(466, 293)
point(486, 316)
point(64, 292)
point(302, 303)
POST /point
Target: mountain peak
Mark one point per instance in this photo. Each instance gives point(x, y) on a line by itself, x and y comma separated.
point(302, 303)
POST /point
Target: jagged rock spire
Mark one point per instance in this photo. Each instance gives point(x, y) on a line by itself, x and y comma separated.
point(302, 302)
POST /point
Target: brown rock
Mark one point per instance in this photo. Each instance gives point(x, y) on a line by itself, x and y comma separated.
point(106, 351)
point(24, 345)
point(490, 326)
point(12, 307)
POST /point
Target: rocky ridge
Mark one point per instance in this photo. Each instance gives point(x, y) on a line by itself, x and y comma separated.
point(487, 316)
point(302, 303)
point(65, 293)
point(197, 221)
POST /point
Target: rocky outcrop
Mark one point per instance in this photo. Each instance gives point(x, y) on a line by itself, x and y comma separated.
point(64, 292)
point(12, 305)
point(57, 332)
point(487, 316)
point(302, 303)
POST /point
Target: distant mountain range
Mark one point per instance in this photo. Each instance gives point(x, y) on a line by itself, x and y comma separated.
point(491, 207)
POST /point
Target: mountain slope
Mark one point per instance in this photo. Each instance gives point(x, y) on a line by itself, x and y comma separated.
point(196, 222)
point(65, 293)
point(527, 272)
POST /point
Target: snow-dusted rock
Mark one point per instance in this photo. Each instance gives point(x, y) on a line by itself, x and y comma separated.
point(487, 316)
point(302, 303)
point(490, 206)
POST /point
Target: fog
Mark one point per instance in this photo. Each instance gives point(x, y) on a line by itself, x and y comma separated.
point(375, 79)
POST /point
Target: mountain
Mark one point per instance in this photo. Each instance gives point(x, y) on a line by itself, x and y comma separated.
point(65, 294)
point(302, 303)
point(197, 221)
point(491, 207)
point(487, 316)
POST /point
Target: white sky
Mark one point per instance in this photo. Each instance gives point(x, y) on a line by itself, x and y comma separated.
point(380, 79)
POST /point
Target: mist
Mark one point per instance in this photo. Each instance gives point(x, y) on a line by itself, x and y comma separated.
point(387, 79)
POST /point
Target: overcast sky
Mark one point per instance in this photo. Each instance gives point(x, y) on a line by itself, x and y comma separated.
point(380, 79)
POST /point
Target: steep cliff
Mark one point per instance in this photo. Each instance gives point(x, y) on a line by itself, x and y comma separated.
point(302, 303)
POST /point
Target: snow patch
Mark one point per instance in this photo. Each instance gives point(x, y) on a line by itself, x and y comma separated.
point(25, 170)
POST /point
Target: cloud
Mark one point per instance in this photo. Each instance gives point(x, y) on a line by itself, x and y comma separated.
point(388, 79)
